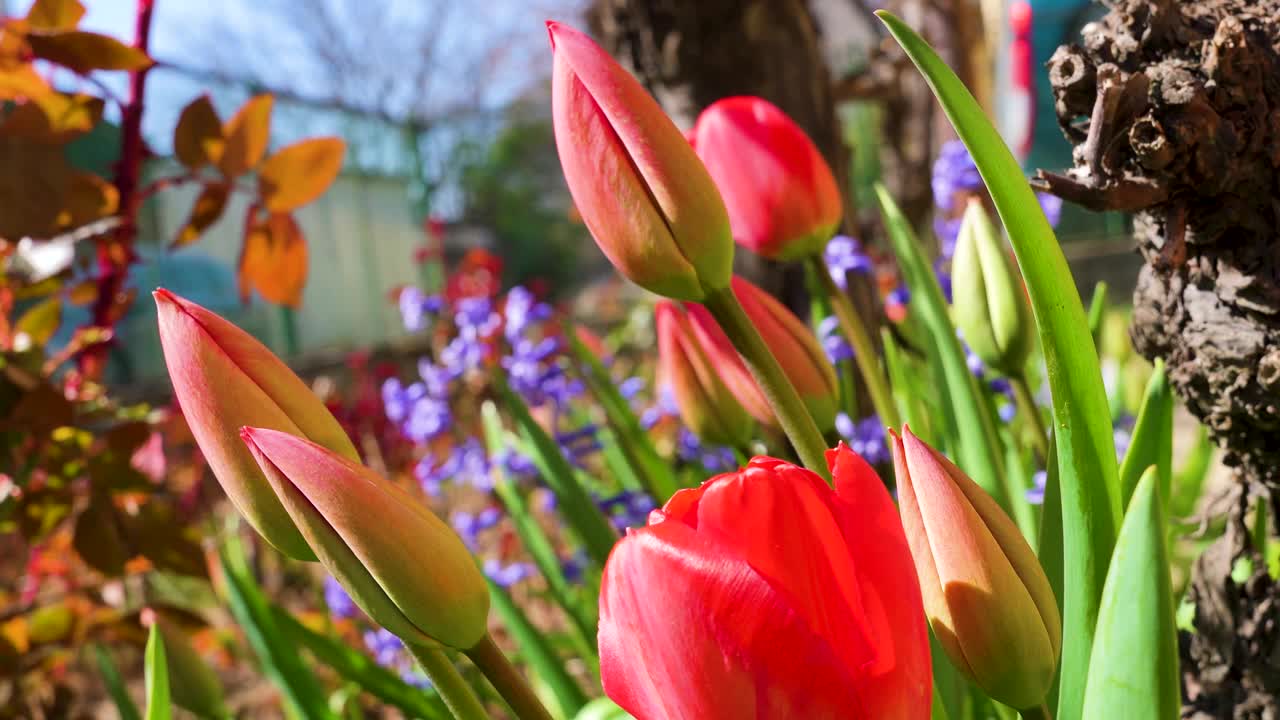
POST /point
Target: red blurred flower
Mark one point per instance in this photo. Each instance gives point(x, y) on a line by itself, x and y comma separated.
point(782, 197)
point(479, 274)
point(767, 594)
point(794, 345)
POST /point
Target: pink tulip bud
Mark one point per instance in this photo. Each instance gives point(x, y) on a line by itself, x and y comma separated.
point(987, 598)
point(793, 344)
point(782, 197)
point(640, 188)
point(224, 379)
point(707, 406)
point(402, 565)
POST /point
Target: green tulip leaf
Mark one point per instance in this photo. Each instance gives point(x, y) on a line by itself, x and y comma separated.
point(580, 512)
point(537, 652)
point(278, 655)
point(1086, 449)
point(1152, 440)
point(978, 452)
point(115, 685)
point(156, 672)
point(1134, 670)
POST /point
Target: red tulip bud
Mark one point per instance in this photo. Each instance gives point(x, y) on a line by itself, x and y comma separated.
point(641, 190)
point(224, 379)
point(707, 406)
point(765, 593)
point(987, 597)
point(782, 197)
point(401, 564)
point(793, 344)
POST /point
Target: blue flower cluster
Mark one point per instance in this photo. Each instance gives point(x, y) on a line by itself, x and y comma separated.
point(627, 509)
point(664, 407)
point(954, 172)
point(844, 255)
point(1035, 493)
point(416, 307)
point(712, 458)
point(833, 341)
point(470, 525)
point(865, 437)
point(388, 650)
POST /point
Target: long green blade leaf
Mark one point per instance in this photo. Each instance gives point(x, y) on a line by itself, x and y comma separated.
point(1134, 670)
point(1097, 311)
point(1086, 448)
point(156, 669)
point(1152, 440)
point(538, 545)
point(535, 651)
point(361, 670)
point(978, 451)
point(279, 656)
point(656, 474)
point(580, 512)
point(115, 685)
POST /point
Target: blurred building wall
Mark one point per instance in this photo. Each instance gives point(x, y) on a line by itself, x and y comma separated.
point(360, 242)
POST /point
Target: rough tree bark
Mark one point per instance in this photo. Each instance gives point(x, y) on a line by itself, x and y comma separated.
point(690, 54)
point(1174, 108)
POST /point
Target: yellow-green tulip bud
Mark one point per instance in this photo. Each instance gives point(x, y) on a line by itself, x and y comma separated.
point(401, 564)
point(989, 304)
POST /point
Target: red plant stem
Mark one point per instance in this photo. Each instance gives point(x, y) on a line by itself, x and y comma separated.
point(115, 252)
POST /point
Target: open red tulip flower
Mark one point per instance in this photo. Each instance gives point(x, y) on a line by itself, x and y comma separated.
point(781, 195)
point(766, 593)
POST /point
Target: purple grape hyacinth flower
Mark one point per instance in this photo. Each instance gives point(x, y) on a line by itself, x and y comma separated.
point(1035, 493)
point(954, 171)
point(833, 341)
point(522, 312)
point(865, 437)
point(627, 509)
point(337, 600)
point(712, 458)
point(416, 307)
point(844, 255)
point(508, 574)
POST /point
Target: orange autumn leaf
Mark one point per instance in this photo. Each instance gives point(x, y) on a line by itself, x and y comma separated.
point(273, 259)
point(205, 211)
point(88, 197)
point(300, 173)
point(246, 136)
point(82, 51)
point(55, 14)
point(54, 118)
point(197, 138)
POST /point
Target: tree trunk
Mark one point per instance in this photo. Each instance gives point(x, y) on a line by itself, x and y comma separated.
point(691, 53)
point(1182, 102)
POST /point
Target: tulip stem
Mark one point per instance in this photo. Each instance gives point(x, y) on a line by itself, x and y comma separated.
point(453, 689)
point(1026, 403)
point(1037, 713)
point(794, 417)
point(864, 352)
point(507, 680)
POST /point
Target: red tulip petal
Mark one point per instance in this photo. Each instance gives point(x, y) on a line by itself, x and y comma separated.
point(778, 517)
point(688, 629)
point(898, 674)
point(733, 371)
